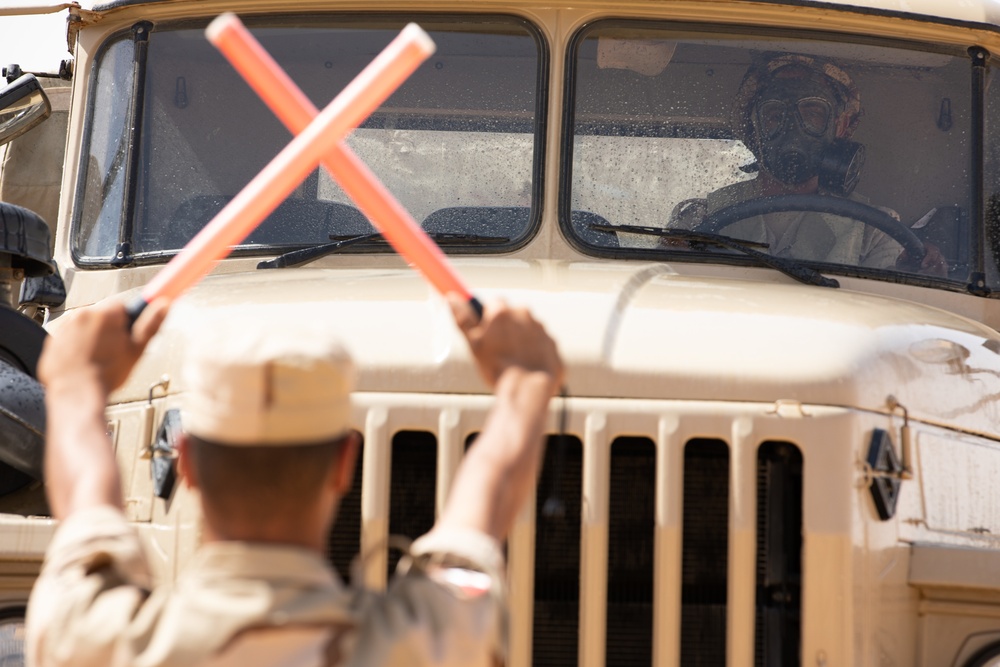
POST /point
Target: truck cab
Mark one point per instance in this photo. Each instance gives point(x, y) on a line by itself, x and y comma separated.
point(781, 427)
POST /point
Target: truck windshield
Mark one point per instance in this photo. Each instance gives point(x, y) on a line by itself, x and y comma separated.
point(854, 157)
point(174, 133)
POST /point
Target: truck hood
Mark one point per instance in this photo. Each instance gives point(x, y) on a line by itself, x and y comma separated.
point(625, 330)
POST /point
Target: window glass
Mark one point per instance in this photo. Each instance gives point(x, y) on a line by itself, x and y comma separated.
point(991, 180)
point(456, 144)
point(713, 133)
point(106, 152)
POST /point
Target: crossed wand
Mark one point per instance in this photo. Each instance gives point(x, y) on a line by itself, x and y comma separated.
point(318, 140)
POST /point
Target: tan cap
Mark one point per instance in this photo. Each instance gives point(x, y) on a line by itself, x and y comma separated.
point(256, 383)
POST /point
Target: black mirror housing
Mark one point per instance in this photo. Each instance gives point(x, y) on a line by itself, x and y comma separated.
point(23, 105)
point(43, 291)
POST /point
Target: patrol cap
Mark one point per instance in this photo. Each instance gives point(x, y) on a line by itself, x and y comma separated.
point(257, 383)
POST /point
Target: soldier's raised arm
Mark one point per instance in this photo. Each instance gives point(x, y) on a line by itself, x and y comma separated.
point(441, 601)
point(90, 355)
point(520, 362)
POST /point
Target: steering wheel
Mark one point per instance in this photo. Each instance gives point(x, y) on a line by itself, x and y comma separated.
point(846, 208)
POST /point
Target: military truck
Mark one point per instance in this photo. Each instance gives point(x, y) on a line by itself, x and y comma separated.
point(764, 456)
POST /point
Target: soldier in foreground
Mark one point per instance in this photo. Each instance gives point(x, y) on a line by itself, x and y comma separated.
point(269, 449)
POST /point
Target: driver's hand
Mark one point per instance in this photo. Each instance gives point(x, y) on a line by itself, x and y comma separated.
point(933, 263)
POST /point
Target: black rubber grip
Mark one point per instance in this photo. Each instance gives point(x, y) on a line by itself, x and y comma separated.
point(476, 306)
point(134, 310)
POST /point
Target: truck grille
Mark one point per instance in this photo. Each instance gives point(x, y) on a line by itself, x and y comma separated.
point(631, 552)
point(705, 555)
point(411, 501)
point(779, 554)
point(598, 585)
point(557, 558)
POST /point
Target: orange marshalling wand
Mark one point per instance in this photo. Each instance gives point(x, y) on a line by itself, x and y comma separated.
point(317, 140)
point(228, 34)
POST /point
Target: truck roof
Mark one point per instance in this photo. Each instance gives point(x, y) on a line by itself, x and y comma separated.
point(983, 12)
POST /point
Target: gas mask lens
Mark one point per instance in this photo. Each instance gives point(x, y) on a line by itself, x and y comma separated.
point(813, 115)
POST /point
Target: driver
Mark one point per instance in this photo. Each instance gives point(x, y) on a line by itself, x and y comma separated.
point(797, 114)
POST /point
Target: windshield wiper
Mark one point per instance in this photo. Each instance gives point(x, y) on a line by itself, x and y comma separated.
point(302, 256)
point(789, 267)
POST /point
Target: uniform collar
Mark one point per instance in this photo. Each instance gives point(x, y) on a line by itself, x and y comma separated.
point(257, 560)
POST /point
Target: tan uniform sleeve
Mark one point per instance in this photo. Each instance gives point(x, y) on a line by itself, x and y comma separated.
point(94, 580)
point(445, 607)
point(688, 214)
point(880, 250)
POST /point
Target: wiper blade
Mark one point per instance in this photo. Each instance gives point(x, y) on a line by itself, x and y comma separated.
point(305, 255)
point(789, 267)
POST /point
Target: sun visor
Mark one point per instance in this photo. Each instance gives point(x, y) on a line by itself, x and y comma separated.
point(648, 57)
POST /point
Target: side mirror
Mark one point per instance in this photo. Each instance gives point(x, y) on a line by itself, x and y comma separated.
point(43, 291)
point(23, 105)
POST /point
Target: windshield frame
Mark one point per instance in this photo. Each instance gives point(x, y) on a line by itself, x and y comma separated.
point(461, 22)
point(975, 284)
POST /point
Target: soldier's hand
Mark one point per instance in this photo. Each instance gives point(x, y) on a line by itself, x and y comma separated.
point(507, 339)
point(96, 345)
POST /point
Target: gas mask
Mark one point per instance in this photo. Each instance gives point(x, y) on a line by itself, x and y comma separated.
point(795, 123)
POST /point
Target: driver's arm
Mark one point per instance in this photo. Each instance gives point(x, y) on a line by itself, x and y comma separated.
point(688, 214)
point(882, 252)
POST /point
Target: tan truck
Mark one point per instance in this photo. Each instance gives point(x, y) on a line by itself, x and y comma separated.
point(780, 443)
